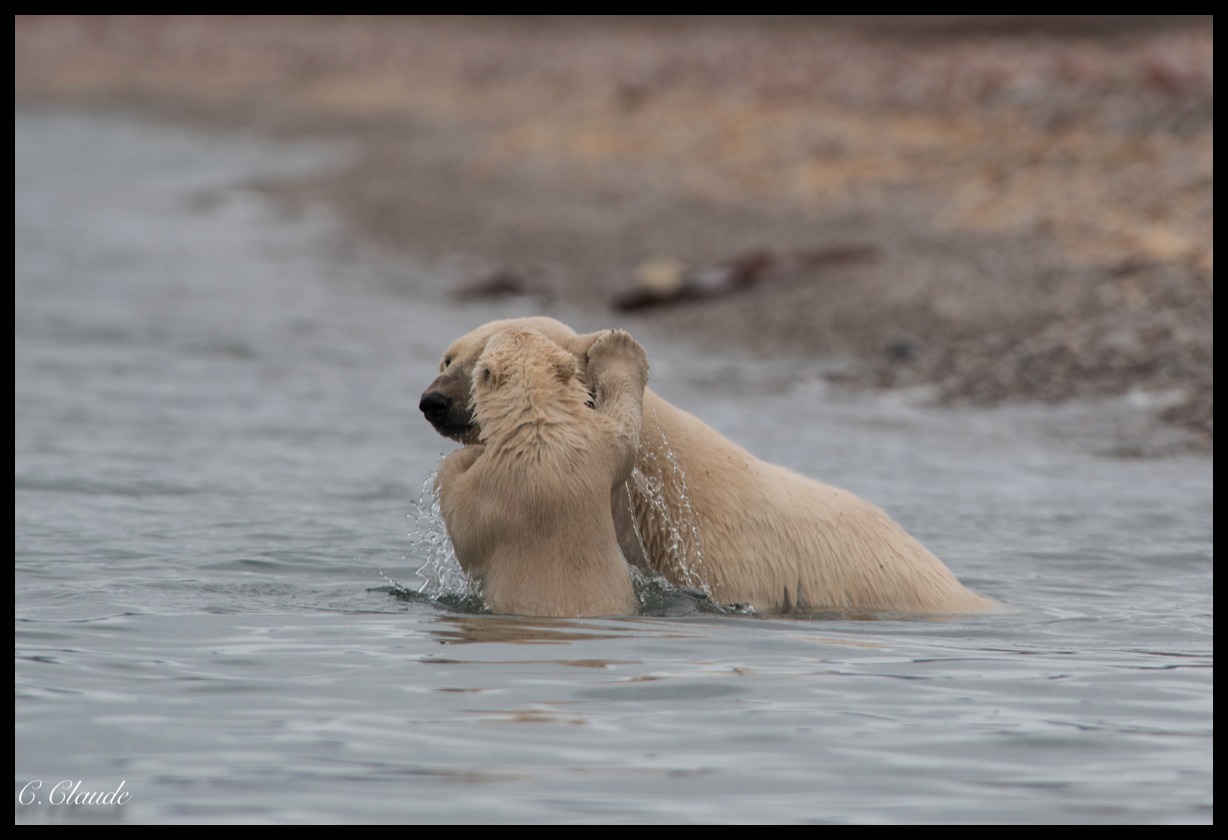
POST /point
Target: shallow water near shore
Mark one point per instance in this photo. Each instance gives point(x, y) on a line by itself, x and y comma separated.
point(219, 467)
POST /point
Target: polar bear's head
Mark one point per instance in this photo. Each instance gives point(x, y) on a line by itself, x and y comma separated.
point(523, 377)
point(447, 403)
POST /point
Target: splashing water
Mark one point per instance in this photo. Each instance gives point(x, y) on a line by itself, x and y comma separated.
point(660, 483)
point(442, 576)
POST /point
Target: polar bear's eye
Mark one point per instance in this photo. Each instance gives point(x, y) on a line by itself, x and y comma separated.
point(447, 361)
point(485, 376)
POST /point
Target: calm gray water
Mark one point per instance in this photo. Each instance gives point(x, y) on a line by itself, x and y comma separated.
point(219, 471)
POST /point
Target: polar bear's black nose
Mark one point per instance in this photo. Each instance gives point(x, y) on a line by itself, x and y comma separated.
point(435, 406)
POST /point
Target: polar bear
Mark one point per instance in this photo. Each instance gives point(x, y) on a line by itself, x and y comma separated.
point(702, 511)
point(528, 506)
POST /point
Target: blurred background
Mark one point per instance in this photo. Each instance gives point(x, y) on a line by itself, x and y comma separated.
point(241, 244)
point(1002, 208)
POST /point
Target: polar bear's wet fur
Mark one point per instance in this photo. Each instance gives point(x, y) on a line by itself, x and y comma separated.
point(699, 509)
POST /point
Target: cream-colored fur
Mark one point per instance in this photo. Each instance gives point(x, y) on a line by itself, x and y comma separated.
point(528, 507)
point(701, 510)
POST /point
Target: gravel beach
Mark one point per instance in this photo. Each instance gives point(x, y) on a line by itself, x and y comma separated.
point(997, 208)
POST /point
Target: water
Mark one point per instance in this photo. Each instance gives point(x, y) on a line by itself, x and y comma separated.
point(218, 459)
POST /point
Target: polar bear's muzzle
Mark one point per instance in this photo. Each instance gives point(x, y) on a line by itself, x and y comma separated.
point(449, 417)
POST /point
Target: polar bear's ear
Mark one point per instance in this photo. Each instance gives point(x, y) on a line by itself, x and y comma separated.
point(484, 376)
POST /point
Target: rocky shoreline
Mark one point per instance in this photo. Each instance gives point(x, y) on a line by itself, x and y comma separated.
point(1028, 202)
